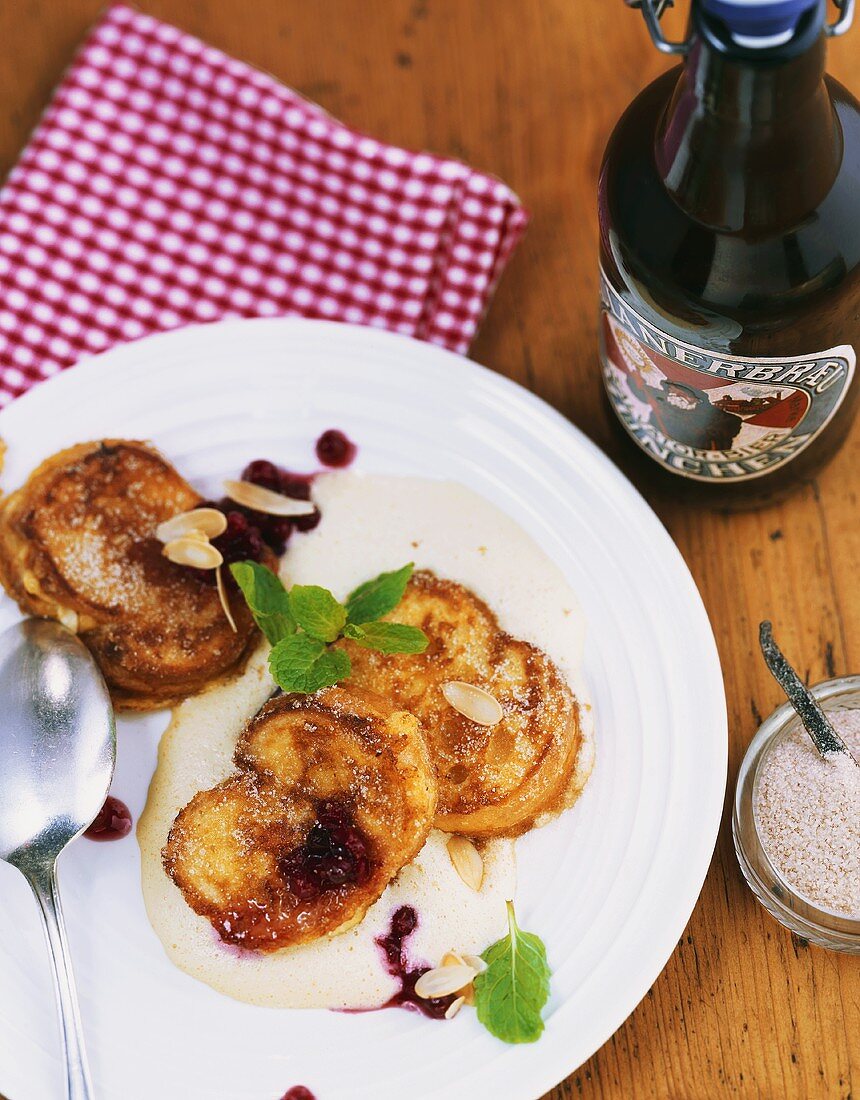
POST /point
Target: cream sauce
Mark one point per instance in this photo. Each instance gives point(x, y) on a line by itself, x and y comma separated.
point(370, 524)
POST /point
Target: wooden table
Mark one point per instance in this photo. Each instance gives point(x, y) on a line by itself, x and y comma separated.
point(530, 91)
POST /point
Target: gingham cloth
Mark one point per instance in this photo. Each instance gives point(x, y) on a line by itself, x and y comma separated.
point(168, 183)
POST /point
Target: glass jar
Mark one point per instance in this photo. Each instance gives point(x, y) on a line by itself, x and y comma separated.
point(783, 901)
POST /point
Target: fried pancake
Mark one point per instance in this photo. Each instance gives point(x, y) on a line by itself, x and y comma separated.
point(77, 543)
point(335, 793)
point(496, 781)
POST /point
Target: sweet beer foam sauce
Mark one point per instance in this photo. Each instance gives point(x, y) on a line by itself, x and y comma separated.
point(371, 524)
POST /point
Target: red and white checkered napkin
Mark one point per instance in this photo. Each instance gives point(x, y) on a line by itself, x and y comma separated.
point(168, 184)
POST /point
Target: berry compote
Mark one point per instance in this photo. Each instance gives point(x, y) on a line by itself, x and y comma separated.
point(336, 853)
point(249, 532)
point(242, 540)
point(112, 822)
point(403, 923)
point(335, 448)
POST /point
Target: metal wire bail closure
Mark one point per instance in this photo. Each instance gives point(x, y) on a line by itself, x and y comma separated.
point(844, 20)
point(652, 11)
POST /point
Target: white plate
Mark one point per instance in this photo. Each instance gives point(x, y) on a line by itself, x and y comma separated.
point(608, 886)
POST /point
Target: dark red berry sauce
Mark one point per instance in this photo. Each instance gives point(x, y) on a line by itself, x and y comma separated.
point(249, 532)
point(242, 540)
point(403, 924)
point(336, 853)
point(334, 448)
point(298, 1092)
point(112, 822)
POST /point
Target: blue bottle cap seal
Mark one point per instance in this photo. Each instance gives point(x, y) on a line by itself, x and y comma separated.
point(767, 19)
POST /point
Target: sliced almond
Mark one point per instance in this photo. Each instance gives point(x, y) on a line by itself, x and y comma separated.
point(476, 963)
point(193, 552)
point(451, 958)
point(473, 702)
point(222, 596)
point(196, 535)
point(68, 618)
point(454, 1007)
point(443, 981)
point(31, 582)
point(264, 500)
point(467, 861)
point(209, 522)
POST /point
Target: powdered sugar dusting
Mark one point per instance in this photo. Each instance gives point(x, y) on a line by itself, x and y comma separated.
point(808, 814)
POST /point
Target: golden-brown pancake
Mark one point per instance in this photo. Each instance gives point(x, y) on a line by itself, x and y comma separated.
point(334, 794)
point(493, 781)
point(78, 544)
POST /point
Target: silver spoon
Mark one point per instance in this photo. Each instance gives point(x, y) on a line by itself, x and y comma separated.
point(815, 721)
point(57, 751)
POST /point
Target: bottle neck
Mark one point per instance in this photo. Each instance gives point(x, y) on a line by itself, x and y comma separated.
point(750, 142)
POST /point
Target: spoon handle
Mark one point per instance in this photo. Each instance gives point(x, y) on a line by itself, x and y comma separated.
point(819, 728)
point(43, 881)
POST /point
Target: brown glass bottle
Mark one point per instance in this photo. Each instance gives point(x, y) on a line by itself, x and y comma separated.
point(729, 208)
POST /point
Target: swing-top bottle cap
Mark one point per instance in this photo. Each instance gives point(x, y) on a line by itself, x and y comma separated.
point(760, 22)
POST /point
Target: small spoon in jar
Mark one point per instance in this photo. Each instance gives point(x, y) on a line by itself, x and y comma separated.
point(815, 721)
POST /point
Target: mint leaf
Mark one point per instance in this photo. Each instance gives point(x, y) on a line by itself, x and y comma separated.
point(301, 623)
point(303, 664)
point(373, 599)
point(388, 637)
point(292, 658)
point(267, 599)
point(329, 669)
point(511, 992)
point(317, 612)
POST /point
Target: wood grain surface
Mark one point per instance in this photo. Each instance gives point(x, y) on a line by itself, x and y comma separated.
point(529, 90)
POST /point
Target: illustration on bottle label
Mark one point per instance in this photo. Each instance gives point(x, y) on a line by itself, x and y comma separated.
point(709, 416)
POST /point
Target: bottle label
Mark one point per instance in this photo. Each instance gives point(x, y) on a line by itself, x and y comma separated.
point(709, 416)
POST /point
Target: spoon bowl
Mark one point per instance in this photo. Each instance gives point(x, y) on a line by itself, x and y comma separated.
point(57, 741)
point(57, 753)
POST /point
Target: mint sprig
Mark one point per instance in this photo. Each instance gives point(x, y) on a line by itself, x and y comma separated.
point(265, 596)
point(317, 612)
point(511, 992)
point(304, 664)
point(387, 637)
point(303, 623)
point(373, 599)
